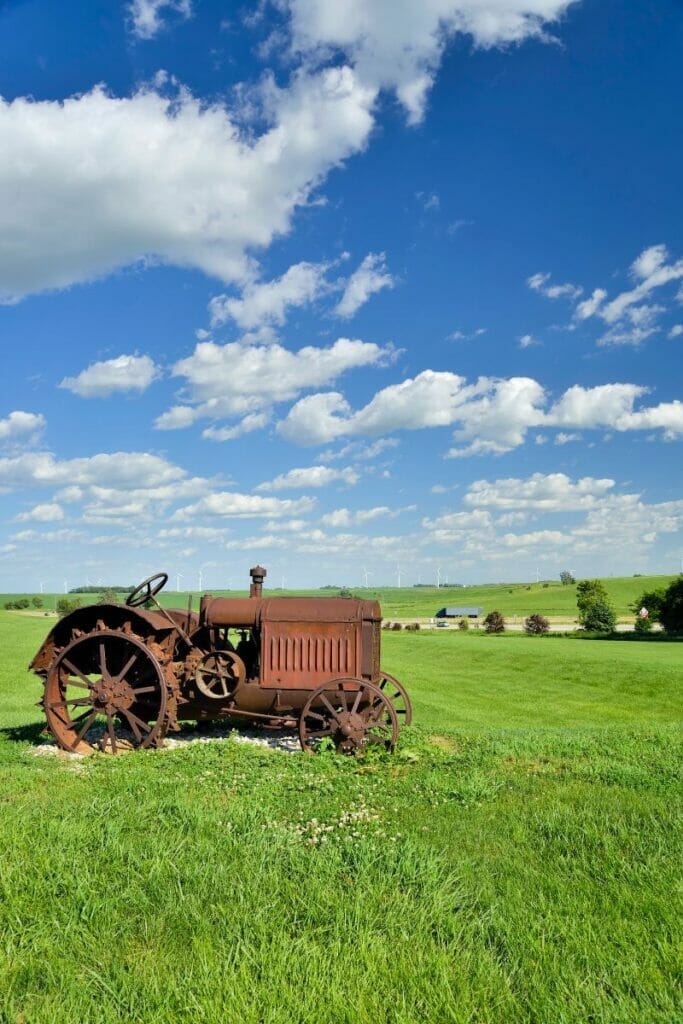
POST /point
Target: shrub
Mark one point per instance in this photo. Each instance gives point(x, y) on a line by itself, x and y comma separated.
point(643, 625)
point(396, 626)
point(598, 617)
point(464, 624)
point(66, 605)
point(566, 578)
point(109, 596)
point(671, 612)
point(535, 625)
point(494, 622)
point(37, 601)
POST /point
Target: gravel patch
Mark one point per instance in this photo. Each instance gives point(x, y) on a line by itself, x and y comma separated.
point(284, 741)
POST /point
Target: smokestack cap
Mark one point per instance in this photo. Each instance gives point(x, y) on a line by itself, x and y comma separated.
point(258, 573)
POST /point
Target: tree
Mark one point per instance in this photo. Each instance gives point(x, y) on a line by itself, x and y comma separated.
point(109, 596)
point(37, 601)
point(494, 622)
point(566, 578)
point(536, 625)
point(671, 611)
point(599, 617)
point(464, 624)
point(596, 613)
point(653, 601)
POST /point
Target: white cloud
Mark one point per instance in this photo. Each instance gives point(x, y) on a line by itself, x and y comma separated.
point(120, 470)
point(676, 331)
point(146, 18)
point(552, 492)
point(370, 277)
point(539, 283)
point(343, 517)
point(98, 182)
point(46, 513)
point(21, 427)
point(428, 200)
point(125, 373)
point(398, 45)
point(237, 379)
point(254, 421)
point(562, 438)
point(629, 318)
point(245, 506)
point(360, 450)
point(491, 416)
point(310, 476)
point(527, 341)
point(267, 302)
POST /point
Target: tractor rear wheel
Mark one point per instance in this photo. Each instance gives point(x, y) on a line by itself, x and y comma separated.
point(106, 691)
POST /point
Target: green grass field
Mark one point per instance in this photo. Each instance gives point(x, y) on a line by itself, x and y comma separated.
point(512, 599)
point(517, 859)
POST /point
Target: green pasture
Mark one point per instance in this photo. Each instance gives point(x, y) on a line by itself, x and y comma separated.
point(512, 599)
point(517, 860)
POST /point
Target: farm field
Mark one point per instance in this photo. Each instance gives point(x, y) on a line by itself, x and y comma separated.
point(515, 860)
point(512, 599)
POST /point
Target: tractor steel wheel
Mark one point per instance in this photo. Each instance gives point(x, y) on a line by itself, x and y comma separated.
point(397, 694)
point(351, 714)
point(106, 691)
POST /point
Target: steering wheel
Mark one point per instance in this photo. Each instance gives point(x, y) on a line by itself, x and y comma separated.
point(146, 590)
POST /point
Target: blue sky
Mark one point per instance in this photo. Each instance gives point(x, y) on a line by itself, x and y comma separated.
point(351, 290)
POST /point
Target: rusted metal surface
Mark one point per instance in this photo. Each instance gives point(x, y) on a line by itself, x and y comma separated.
point(118, 678)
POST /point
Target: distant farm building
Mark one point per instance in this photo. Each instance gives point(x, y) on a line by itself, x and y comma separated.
point(460, 612)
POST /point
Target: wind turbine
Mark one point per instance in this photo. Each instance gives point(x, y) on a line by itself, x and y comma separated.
point(178, 577)
point(42, 587)
point(538, 576)
point(200, 577)
point(399, 573)
point(438, 577)
point(66, 587)
point(366, 574)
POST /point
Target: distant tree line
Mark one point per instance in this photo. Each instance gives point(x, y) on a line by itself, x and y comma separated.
point(98, 590)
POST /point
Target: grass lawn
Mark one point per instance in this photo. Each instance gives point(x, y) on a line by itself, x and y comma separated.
point(517, 859)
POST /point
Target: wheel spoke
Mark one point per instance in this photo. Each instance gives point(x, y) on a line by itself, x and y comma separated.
point(76, 701)
point(144, 689)
point(316, 714)
point(125, 668)
point(318, 733)
point(103, 662)
point(134, 718)
point(342, 694)
point(77, 672)
point(90, 719)
point(112, 734)
point(356, 702)
point(133, 724)
point(329, 707)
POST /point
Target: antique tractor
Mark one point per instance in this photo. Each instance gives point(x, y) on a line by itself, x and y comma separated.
point(119, 677)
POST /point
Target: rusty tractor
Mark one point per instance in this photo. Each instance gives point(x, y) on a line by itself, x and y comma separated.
point(120, 677)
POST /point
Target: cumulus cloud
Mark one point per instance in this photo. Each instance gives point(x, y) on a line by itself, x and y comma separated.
point(629, 317)
point(399, 45)
point(239, 379)
point(98, 182)
point(50, 512)
point(268, 302)
point(370, 277)
point(125, 373)
point(21, 427)
point(551, 492)
point(245, 506)
point(490, 415)
point(676, 331)
point(310, 476)
point(146, 15)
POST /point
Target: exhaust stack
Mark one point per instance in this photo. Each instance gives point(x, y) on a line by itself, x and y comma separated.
point(258, 574)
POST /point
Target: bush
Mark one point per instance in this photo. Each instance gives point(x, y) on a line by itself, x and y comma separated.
point(671, 612)
point(596, 614)
point(464, 624)
point(653, 601)
point(598, 617)
point(566, 578)
point(18, 604)
point(66, 605)
point(37, 601)
point(494, 622)
point(643, 625)
point(109, 596)
point(535, 625)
